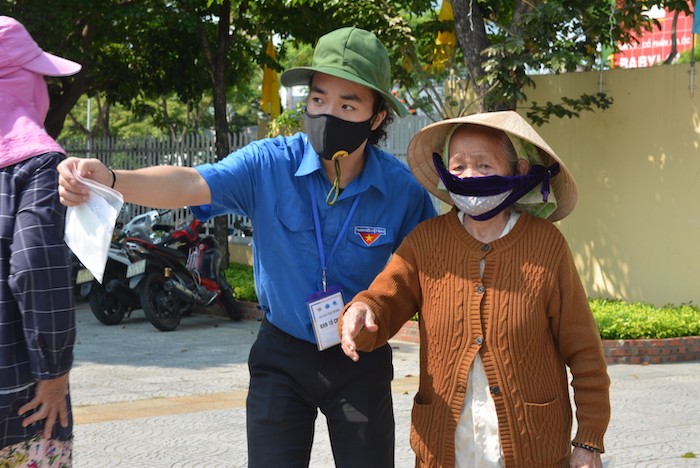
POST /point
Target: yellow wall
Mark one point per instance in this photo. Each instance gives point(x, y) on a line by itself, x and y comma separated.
point(635, 232)
point(240, 250)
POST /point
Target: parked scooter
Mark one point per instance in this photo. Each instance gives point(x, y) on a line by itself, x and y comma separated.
point(113, 299)
point(181, 273)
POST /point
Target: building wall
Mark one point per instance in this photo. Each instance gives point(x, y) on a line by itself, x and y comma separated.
point(635, 232)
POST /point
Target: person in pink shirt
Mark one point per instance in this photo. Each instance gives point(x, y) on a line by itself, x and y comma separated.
point(37, 310)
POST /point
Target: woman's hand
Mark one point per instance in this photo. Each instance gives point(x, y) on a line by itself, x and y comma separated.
point(357, 317)
point(582, 458)
point(50, 404)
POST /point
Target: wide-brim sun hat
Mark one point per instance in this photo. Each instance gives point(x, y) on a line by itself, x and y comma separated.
point(352, 54)
point(431, 139)
point(19, 50)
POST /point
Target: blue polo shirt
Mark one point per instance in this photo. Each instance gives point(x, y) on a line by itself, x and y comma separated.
point(268, 181)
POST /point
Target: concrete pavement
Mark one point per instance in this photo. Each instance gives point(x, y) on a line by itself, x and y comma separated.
point(145, 398)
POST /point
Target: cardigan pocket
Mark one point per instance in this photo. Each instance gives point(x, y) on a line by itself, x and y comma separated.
point(422, 416)
point(549, 431)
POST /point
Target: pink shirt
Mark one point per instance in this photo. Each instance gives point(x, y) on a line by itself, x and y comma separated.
point(24, 103)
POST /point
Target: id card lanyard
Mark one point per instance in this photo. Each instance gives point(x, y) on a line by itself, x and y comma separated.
point(319, 238)
point(326, 306)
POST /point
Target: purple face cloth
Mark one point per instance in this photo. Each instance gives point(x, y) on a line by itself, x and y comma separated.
point(24, 97)
point(519, 185)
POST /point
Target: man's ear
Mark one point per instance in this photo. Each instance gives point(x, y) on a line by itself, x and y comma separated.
point(522, 167)
point(378, 119)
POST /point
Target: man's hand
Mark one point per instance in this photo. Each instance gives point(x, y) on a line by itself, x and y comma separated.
point(72, 192)
point(582, 458)
point(50, 399)
point(357, 317)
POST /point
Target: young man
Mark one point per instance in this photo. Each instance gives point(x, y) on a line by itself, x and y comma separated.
point(328, 209)
point(37, 316)
point(502, 310)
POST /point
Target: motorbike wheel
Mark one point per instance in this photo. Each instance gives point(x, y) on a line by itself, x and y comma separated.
point(107, 308)
point(160, 308)
point(230, 304)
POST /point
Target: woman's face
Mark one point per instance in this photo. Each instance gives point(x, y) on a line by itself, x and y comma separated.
point(474, 153)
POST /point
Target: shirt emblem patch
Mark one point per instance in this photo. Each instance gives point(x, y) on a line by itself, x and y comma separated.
point(369, 234)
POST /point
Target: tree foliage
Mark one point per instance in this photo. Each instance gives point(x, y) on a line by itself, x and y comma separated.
point(170, 61)
point(144, 56)
point(504, 41)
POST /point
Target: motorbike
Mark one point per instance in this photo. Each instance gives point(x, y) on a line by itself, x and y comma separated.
point(177, 275)
point(113, 300)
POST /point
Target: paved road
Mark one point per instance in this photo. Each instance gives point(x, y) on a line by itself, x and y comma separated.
point(144, 398)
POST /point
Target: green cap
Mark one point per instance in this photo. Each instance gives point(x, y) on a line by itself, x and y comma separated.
point(352, 54)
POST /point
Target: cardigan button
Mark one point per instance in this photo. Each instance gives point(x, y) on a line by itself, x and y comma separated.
point(485, 248)
point(479, 340)
point(495, 390)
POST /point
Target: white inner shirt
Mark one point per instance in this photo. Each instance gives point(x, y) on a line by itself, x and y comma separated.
point(476, 440)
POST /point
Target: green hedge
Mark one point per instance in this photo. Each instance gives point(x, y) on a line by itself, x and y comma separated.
point(616, 319)
point(240, 277)
point(620, 320)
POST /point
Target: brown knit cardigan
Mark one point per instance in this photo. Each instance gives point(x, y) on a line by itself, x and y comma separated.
point(528, 318)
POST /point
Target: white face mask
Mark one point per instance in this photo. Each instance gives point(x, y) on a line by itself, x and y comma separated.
point(475, 206)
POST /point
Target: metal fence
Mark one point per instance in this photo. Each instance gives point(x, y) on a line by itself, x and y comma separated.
point(192, 150)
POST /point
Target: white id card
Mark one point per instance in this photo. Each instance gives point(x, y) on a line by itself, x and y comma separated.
point(325, 309)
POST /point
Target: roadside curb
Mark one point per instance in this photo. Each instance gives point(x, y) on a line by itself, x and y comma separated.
point(652, 351)
point(250, 311)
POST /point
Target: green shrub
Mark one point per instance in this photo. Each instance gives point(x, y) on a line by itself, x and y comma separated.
point(288, 122)
point(240, 277)
point(620, 320)
point(616, 319)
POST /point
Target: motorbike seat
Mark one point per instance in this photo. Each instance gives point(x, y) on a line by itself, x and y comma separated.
point(167, 251)
point(170, 251)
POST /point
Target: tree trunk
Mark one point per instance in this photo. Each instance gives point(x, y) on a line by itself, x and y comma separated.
point(473, 40)
point(471, 35)
point(674, 40)
point(61, 104)
point(217, 65)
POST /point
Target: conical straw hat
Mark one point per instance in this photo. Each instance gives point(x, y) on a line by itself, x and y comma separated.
point(431, 139)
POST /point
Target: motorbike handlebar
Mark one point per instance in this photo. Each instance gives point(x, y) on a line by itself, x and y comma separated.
point(186, 232)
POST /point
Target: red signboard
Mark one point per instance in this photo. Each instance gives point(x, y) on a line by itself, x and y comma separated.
point(654, 46)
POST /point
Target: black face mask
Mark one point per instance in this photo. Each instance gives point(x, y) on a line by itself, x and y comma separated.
point(329, 135)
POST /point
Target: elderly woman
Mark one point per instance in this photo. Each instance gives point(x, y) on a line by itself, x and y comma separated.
point(502, 310)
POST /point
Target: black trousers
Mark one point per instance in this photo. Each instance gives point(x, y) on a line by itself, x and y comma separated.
point(290, 380)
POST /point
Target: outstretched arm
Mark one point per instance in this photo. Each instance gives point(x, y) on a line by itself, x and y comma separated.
point(156, 186)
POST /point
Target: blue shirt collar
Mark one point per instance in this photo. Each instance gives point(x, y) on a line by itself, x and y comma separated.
point(371, 176)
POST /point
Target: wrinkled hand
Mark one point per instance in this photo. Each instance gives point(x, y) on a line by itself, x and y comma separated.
point(50, 399)
point(72, 192)
point(582, 458)
point(357, 317)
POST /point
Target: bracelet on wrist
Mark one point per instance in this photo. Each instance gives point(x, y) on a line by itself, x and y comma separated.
point(586, 447)
point(114, 177)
